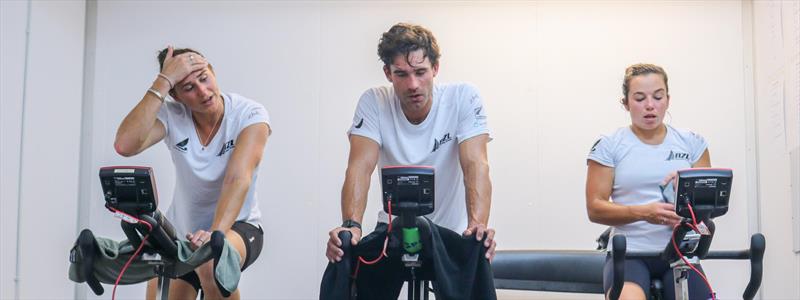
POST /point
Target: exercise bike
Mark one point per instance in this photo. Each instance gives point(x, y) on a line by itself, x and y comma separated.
point(409, 249)
point(705, 190)
point(152, 249)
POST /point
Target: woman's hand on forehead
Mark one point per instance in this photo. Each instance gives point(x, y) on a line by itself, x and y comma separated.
point(180, 66)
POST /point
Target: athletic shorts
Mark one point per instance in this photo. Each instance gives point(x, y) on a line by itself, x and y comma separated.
point(640, 272)
point(253, 238)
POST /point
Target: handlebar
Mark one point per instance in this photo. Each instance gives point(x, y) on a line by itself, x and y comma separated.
point(755, 254)
point(619, 245)
point(757, 245)
point(346, 236)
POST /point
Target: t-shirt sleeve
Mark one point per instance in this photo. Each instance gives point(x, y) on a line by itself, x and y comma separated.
point(697, 145)
point(366, 118)
point(163, 116)
point(472, 115)
point(602, 152)
point(254, 113)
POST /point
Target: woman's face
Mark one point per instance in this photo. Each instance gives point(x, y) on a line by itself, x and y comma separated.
point(647, 101)
point(199, 91)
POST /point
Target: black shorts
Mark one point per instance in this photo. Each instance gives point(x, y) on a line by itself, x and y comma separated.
point(640, 271)
point(253, 238)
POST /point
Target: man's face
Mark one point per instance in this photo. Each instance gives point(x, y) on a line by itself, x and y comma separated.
point(199, 91)
point(413, 82)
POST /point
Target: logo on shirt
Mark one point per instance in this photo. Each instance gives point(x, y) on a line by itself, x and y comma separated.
point(438, 143)
point(594, 146)
point(360, 123)
point(253, 114)
point(225, 148)
point(181, 146)
point(480, 119)
point(677, 156)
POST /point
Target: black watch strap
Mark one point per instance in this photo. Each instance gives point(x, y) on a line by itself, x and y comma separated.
point(351, 224)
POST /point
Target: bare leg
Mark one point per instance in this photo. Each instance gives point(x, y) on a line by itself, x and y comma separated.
point(631, 291)
point(178, 289)
point(206, 271)
point(152, 289)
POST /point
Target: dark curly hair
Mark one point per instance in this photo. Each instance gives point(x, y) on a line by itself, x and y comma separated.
point(404, 38)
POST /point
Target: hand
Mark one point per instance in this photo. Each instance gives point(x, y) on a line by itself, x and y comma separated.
point(178, 67)
point(479, 230)
point(670, 177)
point(660, 213)
point(334, 251)
point(199, 238)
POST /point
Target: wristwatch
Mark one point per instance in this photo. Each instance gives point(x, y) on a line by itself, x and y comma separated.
point(351, 224)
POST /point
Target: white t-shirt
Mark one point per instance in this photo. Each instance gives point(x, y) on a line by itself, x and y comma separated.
point(199, 170)
point(456, 115)
point(638, 170)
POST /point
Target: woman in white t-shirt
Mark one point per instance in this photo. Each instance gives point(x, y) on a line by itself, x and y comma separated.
point(628, 166)
point(216, 141)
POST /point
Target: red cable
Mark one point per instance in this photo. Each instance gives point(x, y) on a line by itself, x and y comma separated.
point(694, 220)
point(385, 243)
point(383, 254)
point(675, 245)
point(136, 253)
point(390, 215)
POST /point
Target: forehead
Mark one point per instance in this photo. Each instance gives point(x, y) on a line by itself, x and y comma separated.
point(195, 75)
point(417, 58)
point(647, 82)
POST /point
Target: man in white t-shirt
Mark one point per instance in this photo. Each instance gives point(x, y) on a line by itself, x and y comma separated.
point(415, 122)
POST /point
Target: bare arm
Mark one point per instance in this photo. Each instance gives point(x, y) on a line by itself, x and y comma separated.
point(475, 164)
point(141, 129)
point(360, 165)
point(363, 159)
point(474, 161)
point(238, 175)
point(599, 182)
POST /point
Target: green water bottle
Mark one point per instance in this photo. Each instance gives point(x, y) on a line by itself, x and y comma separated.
point(411, 242)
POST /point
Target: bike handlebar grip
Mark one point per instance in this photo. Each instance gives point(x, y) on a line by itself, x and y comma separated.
point(346, 236)
point(167, 245)
point(88, 246)
point(166, 225)
point(618, 244)
point(131, 233)
point(217, 243)
point(757, 245)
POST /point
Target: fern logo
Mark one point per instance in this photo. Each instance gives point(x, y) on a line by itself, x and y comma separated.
point(182, 145)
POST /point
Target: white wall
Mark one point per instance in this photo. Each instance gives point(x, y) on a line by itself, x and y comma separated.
point(41, 116)
point(776, 28)
point(549, 72)
point(13, 17)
